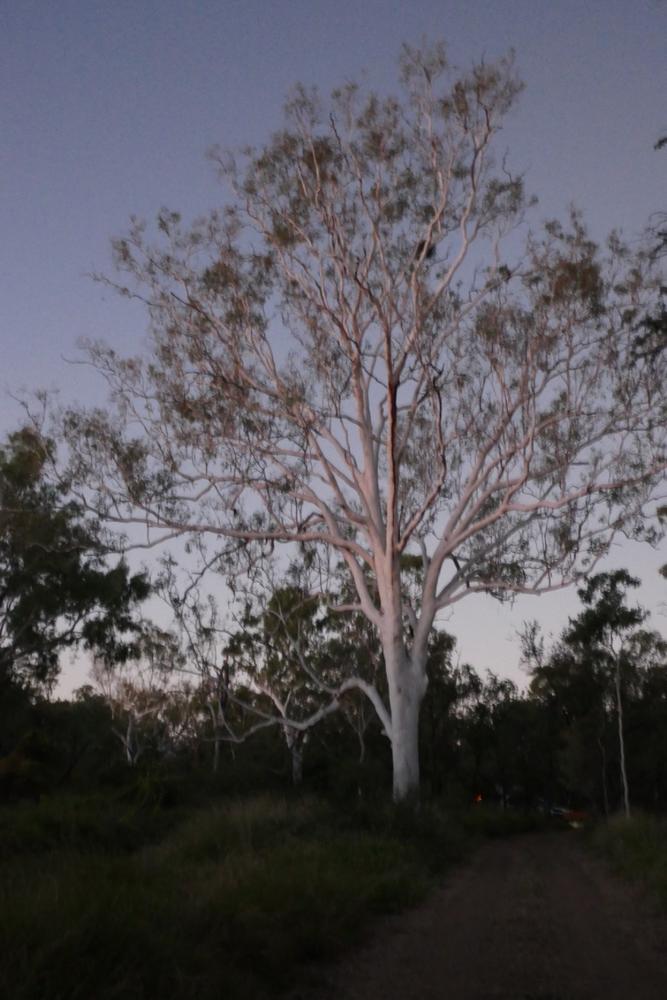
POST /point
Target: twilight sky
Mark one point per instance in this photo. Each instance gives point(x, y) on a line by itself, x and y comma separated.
point(108, 108)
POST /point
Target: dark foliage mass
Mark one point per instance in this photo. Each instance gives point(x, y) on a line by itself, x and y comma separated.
point(562, 741)
point(588, 732)
point(56, 588)
point(58, 592)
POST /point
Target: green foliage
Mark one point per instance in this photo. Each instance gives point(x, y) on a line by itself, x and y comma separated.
point(651, 338)
point(604, 661)
point(102, 823)
point(56, 589)
point(605, 614)
point(637, 847)
point(662, 515)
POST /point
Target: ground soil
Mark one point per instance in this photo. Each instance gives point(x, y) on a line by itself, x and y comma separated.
point(528, 918)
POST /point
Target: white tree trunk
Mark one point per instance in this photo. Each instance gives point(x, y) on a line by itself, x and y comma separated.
point(621, 740)
point(217, 722)
point(295, 743)
point(216, 750)
point(130, 754)
point(405, 749)
point(407, 686)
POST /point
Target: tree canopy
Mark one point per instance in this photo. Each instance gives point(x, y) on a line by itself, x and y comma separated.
point(353, 356)
point(603, 659)
point(56, 589)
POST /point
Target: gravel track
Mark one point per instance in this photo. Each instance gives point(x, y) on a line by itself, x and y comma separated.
point(529, 918)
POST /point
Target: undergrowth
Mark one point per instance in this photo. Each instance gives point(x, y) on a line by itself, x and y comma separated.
point(142, 892)
point(638, 848)
point(113, 899)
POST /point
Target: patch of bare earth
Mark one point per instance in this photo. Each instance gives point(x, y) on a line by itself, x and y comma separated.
point(529, 918)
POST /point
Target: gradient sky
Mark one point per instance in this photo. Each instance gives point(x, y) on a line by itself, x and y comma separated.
point(108, 108)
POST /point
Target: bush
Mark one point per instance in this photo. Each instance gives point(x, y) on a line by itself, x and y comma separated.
point(118, 897)
point(81, 824)
point(636, 847)
point(230, 901)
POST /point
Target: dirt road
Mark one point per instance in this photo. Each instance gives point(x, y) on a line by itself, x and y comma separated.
point(529, 918)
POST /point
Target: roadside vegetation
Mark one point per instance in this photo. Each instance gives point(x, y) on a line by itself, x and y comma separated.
point(119, 898)
point(164, 833)
point(637, 848)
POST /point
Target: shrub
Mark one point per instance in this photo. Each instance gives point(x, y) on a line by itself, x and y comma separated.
point(636, 847)
point(229, 902)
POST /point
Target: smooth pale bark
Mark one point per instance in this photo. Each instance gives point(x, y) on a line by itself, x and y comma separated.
point(216, 711)
point(218, 737)
point(621, 740)
point(295, 741)
point(405, 746)
point(407, 687)
point(362, 745)
point(296, 754)
point(129, 741)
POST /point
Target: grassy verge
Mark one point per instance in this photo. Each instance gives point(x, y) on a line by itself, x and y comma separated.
point(115, 900)
point(637, 848)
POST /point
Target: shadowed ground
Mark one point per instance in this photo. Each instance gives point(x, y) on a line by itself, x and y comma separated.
point(531, 918)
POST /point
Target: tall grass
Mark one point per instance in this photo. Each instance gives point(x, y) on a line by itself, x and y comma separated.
point(83, 824)
point(637, 847)
point(226, 903)
point(136, 894)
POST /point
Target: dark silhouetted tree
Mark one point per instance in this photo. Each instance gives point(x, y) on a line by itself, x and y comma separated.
point(57, 590)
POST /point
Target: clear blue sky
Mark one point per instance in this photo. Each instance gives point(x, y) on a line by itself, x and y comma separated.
point(107, 109)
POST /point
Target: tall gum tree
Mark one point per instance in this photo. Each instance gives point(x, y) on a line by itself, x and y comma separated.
point(602, 631)
point(346, 357)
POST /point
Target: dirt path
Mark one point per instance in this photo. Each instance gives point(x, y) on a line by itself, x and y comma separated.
point(530, 918)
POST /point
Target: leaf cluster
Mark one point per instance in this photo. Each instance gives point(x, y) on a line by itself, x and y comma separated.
point(56, 587)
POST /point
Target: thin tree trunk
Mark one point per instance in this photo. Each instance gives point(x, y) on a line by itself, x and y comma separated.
point(129, 739)
point(297, 765)
point(621, 740)
point(605, 793)
point(603, 771)
point(217, 736)
point(216, 751)
point(362, 745)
